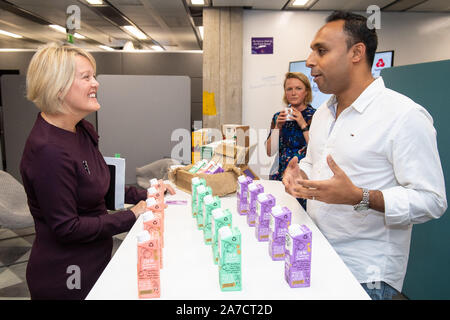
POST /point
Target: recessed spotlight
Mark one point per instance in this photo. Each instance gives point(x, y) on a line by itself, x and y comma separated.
point(198, 2)
point(58, 28)
point(136, 32)
point(95, 2)
point(299, 3)
point(10, 34)
point(106, 48)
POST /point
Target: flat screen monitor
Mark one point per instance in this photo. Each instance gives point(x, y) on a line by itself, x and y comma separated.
point(384, 59)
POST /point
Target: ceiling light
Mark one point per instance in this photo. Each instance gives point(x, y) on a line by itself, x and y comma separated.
point(198, 2)
point(157, 48)
point(136, 32)
point(10, 34)
point(299, 3)
point(57, 28)
point(201, 29)
point(95, 2)
point(106, 48)
point(79, 36)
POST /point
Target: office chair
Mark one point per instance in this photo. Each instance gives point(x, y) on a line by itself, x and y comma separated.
point(14, 211)
point(157, 169)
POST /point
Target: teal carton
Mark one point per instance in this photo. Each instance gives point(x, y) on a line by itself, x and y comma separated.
point(210, 203)
point(220, 218)
point(195, 182)
point(198, 166)
point(230, 275)
point(202, 192)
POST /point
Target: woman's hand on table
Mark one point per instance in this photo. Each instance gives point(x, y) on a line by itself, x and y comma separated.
point(139, 208)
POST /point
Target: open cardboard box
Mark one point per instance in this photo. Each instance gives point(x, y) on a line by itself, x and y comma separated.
point(221, 183)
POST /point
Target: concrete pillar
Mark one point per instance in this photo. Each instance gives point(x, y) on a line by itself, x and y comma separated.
point(222, 66)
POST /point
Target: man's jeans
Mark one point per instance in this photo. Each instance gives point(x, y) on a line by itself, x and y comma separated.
point(381, 290)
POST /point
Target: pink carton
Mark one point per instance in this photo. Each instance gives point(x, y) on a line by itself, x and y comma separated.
point(148, 265)
point(297, 270)
point(264, 204)
point(280, 220)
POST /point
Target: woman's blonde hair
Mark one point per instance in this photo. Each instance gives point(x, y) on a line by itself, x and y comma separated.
point(51, 73)
point(300, 76)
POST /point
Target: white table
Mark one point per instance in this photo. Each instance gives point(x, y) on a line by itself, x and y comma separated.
point(190, 274)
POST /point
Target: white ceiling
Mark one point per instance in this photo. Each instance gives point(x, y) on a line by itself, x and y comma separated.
point(169, 23)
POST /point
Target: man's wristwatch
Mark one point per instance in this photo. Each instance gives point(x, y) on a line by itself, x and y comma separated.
point(305, 128)
point(364, 204)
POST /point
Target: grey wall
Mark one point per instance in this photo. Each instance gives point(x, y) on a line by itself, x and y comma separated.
point(139, 115)
point(120, 63)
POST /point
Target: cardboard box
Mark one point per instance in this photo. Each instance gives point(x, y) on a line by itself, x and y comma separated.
point(221, 183)
point(245, 169)
point(230, 153)
point(239, 133)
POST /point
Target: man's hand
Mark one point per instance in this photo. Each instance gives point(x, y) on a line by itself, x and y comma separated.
point(339, 189)
point(291, 175)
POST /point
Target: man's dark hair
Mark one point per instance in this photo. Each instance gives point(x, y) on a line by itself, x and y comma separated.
point(357, 31)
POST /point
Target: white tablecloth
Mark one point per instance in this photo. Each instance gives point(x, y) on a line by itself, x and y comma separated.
point(189, 271)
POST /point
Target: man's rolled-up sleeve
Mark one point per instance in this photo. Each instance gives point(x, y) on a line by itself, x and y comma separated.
point(412, 150)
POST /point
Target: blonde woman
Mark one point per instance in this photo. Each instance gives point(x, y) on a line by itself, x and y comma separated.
point(289, 133)
point(66, 178)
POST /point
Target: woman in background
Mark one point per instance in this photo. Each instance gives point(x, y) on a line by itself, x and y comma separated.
point(289, 134)
point(66, 178)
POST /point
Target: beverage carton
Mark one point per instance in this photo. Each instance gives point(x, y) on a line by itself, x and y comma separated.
point(220, 218)
point(202, 192)
point(197, 166)
point(252, 193)
point(280, 220)
point(158, 210)
point(230, 275)
point(196, 182)
point(152, 223)
point(157, 194)
point(297, 271)
point(148, 265)
point(264, 204)
point(211, 203)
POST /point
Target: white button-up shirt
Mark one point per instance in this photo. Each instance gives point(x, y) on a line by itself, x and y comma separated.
point(383, 141)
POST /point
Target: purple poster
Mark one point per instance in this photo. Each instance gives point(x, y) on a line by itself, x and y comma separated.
point(262, 45)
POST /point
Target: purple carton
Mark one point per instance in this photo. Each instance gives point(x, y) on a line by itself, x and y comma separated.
point(217, 168)
point(297, 269)
point(242, 199)
point(252, 192)
point(264, 204)
point(280, 220)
